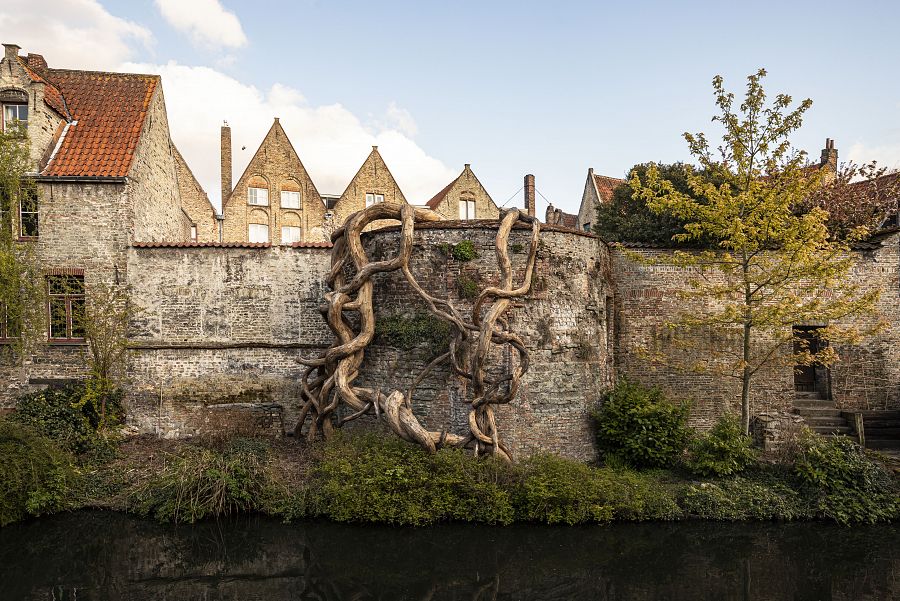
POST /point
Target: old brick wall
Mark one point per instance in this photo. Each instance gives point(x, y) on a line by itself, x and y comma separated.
point(648, 296)
point(221, 325)
point(195, 202)
point(563, 323)
point(276, 167)
point(152, 181)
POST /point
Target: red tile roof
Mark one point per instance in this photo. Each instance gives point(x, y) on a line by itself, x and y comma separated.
point(568, 220)
point(606, 186)
point(52, 96)
point(109, 109)
point(439, 197)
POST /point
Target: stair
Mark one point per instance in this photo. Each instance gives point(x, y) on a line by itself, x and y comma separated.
point(882, 429)
point(821, 415)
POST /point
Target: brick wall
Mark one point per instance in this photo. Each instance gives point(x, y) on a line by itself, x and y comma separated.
point(373, 177)
point(195, 202)
point(648, 296)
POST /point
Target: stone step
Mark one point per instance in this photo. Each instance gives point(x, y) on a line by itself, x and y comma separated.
point(817, 411)
point(882, 432)
point(826, 430)
point(808, 395)
point(824, 422)
point(813, 404)
point(882, 443)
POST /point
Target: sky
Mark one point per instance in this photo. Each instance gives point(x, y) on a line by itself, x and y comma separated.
point(549, 88)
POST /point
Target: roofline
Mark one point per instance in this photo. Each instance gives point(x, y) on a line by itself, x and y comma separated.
point(358, 171)
point(79, 179)
point(156, 75)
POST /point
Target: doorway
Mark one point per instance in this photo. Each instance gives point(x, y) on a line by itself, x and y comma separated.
point(815, 377)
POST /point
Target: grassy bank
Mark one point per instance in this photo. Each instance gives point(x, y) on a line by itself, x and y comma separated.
point(57, 457)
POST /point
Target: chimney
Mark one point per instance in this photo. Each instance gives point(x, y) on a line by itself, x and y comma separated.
point(36, 62)
point(529, 195)
point(829, 158)
point(226, 163)
point(10, 51)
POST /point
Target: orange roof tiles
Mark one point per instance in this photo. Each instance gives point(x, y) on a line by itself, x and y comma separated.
point(607, 185)
point(437, 198)
point(109, 109)
point(52, 96)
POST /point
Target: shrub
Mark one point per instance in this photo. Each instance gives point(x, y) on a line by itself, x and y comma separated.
point(468, 288)
point(464, 251)
point(723, 451)
point(409, 331)
point(35, 474)
point(743, 499)
point(203, 482)
point(640, 426)
point(374, 478)
point(636, 496)
point(842, 483)
point(54, 412)
point(558, 491)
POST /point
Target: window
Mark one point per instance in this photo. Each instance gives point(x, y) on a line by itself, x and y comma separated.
point(290, 199)
point(15, 118)
point(258, 197)
point(5, 212)
point(587, 227)
point(28, 212)
point(194, 233)
point(290, 234)
point(372, 198)
point(259, 232)
point(66, 308)
point(467, 209)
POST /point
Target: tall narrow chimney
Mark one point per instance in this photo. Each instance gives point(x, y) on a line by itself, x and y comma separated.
point(11, 51)
point(829, 155)
point(226, 163)
point(529, 195)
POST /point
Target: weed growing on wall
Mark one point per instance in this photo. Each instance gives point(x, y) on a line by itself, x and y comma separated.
point(463, 251)
point(407, 332)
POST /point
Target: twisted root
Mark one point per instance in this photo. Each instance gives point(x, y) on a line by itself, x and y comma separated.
point(328, 380)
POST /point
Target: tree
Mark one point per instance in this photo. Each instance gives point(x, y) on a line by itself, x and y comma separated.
point(859, 200)
point(22, 295)
point(771, 266)
point(627, 218)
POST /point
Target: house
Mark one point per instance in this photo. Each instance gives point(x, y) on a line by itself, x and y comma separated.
point(597, 189)
point(464, 198)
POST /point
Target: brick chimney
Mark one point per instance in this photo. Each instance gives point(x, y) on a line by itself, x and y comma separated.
point(529, 195)
point(226, 163)
point(10, 51)
point(829, 156)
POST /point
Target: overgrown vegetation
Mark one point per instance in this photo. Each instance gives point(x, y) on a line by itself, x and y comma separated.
point(406, 332)
point(641, 426)
point(468, 287)
point(463, 251)
point(36, 476)
point(723, 451)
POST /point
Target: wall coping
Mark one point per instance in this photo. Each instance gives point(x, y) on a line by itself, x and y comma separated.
point(481, 224)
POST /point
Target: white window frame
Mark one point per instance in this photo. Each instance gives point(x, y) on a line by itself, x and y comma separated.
point(258, 197)
point(193, 232)
point(467, 209)
point(254, 231)
point(373, 198)
point(296, 229)
point(290, 194)
point(21, 124)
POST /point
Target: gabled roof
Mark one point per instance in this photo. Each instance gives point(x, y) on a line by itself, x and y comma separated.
point(107, 112)
point(439, 197)
point(374, 156)
point(606, 186)
point(52, 96)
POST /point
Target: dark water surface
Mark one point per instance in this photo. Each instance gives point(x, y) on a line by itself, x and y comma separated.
point(95, 556)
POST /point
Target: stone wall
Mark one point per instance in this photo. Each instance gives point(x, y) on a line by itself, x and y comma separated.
point(373, 177)
point(563, 323)
point(195, 202)
point(221, 325)
point(649, 295)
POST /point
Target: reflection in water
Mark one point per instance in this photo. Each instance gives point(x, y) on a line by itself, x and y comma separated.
point(94, 556)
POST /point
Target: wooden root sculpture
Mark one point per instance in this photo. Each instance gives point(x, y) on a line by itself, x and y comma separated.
point(328, 380)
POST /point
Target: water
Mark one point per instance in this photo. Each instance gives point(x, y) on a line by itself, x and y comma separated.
point(95, 556)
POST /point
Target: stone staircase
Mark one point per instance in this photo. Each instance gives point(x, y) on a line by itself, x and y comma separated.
point(821, 414)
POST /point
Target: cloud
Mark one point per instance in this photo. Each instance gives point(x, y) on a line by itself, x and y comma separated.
point(207, 22)
point(887, 155)
point(72, 33)
point(401, 119)
point(331, 141)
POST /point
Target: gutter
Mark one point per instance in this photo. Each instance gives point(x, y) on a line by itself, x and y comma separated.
point(80, 179)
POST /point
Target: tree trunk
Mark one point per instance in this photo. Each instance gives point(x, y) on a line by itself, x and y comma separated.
point(745, 382)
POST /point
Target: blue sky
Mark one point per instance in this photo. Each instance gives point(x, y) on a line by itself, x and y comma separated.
point(510, 87)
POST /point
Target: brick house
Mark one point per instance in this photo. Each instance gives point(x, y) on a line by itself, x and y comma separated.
point(597, 189)
point(464, 198)
point(105, 177)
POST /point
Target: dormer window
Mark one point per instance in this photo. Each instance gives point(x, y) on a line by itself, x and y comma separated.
point(290, 199)
point(15, 118)
point(467, 209)
point(258, 197)
point(372, 198)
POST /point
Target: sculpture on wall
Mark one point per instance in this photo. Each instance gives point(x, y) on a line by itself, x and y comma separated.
point(328, 380)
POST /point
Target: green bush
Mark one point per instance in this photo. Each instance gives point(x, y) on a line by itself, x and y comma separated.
point(641, 426)
point(203, 482)
point(464, 251)
point(373, 478)
point(559, 491)
point(723, 451)
point(843, 484)
point(409, 331)
point(743, 499)
point(35, 474)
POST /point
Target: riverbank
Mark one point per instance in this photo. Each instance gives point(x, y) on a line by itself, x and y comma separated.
point(375, 478)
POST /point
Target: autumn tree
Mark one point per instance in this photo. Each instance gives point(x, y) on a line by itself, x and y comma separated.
point(771, 266)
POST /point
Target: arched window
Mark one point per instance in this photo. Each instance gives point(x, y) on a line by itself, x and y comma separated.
point(290, 195)
point(258, 227)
